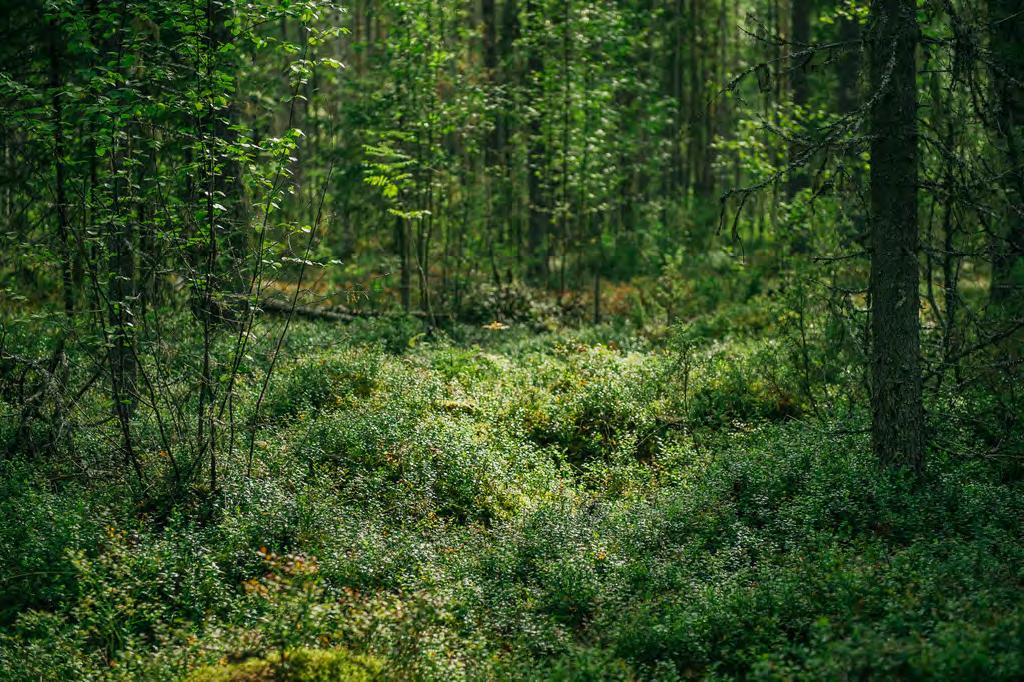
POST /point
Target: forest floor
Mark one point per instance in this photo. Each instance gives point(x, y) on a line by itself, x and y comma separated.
point(514, 504)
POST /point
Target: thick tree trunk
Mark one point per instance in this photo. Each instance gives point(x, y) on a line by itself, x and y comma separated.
point(1007, 42)
point(897, 432)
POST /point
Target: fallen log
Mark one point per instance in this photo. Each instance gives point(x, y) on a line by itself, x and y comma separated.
point(274, 305)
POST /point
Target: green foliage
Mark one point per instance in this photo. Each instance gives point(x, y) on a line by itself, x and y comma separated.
point(41, 529)
point(303, 666)
point(511, 303)
point(316, 383)
point(577, 505)
point(596, 405)
point(744, 385)
point(200, 481)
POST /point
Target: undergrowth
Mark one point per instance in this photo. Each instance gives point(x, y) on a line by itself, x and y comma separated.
point(508, 504)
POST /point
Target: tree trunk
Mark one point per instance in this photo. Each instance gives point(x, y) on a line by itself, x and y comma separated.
point(488, 18)
point(405, 275)
point(848, 65)
point(229, 181)
point(505, 73)
point(56, 77)
point(800, 16)
point(1007, 42)
point(537, 164)
point(674, 87)
point(701, 122)
point(897, 431)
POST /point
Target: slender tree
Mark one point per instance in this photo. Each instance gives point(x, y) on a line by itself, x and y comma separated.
point(800, 19)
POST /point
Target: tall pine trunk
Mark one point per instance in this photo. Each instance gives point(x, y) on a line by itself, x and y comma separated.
point(1007, 34)
point(897, 429)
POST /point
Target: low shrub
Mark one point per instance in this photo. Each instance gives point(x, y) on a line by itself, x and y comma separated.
point(531, 506)
point(305, 665)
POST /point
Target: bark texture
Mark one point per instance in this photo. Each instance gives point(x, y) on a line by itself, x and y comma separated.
point(897, 432)
point(1007, 43)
